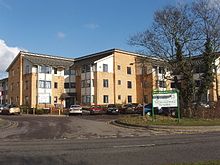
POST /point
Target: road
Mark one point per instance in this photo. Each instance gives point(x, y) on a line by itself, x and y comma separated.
point(55, 140)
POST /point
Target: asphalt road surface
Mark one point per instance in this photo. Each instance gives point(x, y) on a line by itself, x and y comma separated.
point(92, 141)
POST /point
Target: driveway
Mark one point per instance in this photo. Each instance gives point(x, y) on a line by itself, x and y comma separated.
point(27, 127)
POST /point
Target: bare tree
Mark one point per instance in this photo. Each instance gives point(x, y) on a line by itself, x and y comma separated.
point(207, 17)
point(173, 39)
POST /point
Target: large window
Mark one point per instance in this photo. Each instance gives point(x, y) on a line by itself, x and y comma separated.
point(69, 72)
point(105, 99)
point(129, 84)
point(45, 69)
point(105, 67)
point(86, 83)
point(86, 98)
point(105, 83)
point(44, 84)
point(85, 68)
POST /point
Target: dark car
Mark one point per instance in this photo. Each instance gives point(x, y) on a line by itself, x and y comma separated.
point(131, 108)
point(168, 111)
point(112, 109)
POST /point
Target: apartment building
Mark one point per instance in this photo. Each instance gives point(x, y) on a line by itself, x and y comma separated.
point(117, 77)
point(109, 77)
point(4, 91)
point(37, 80)
point(112, 76)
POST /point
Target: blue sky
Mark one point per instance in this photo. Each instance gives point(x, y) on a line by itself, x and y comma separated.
point(72, 28)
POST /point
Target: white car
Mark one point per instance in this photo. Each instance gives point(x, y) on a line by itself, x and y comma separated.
point(11, 109)
point(75, 109)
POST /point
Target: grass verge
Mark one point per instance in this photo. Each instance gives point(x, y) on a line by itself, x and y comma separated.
point(165, 120)
point(211, 162)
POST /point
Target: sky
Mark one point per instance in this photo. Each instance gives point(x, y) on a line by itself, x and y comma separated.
point(71, 28)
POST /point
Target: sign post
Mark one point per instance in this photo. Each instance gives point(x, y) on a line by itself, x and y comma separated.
point(166, 99)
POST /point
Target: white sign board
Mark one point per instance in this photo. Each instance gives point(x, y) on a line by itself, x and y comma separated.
point(44, 98)
point(165, 99)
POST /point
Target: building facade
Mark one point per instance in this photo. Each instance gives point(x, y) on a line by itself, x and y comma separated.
point(4, 91)
point(109, 77)
point(37, 80)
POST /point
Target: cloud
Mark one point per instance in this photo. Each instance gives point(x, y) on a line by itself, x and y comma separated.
point(7, 54)
point(214, 4)
point(61, 35)
point(91, 26)
point(5, 5)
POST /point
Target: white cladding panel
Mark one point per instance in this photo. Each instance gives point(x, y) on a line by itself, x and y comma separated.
point(107, 60)
point(44, 76)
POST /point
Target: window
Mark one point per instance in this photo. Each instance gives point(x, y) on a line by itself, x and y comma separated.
point(44, 84)
point(85, 68)
point(105, 67)
point(55, 70)
point(67, 72)
point(66, 85)
point(83, 82)
point(72, 85)
point(86, 98)
point(119, 67)
point(119, 82)
point(119, 97)
point(55, 85)
point(128, 70)
point(47, 84)
point(162, 84)
point(105, 83)
point(129, 99)
point(105, 98)
point(129, 84)
point(88, 83)
point(72, 72)
point(161, 70)
point(27, 69)
point(45, 69)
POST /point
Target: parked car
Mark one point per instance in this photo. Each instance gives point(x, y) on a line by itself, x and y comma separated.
point(75, 109)
point(131, 108)
point(167, 111)
point(1, 108)
point(11, 109)
point(112, 109)
point(96, 109)
point(148, 109)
